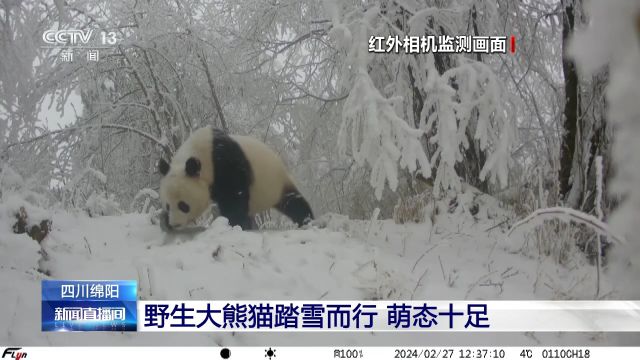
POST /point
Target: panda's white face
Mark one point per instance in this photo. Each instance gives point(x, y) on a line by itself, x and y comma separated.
point(184, 188)
point(184, 194)
point(184, 199)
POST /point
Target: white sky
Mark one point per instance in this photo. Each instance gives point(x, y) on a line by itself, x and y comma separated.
point(53, 119)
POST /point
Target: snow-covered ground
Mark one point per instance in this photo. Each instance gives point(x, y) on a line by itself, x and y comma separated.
point(460, 256)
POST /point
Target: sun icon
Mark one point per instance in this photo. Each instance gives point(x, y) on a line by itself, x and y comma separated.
point(270, 353)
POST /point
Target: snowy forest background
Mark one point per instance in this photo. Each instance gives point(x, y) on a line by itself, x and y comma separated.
point(550, 131)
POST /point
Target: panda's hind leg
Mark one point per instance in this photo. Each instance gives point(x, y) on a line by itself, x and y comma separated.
point(295, 206)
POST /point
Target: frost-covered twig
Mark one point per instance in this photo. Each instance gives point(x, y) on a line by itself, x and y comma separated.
point(419, 283)
point(144, 134)
point(497, 225)
point(542, 202)
point(568, 214)
point(319, 98)
point(421, 256)
point(599, 188)
point(88, 246)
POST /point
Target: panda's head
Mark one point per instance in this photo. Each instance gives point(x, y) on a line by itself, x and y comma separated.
point(183, 192)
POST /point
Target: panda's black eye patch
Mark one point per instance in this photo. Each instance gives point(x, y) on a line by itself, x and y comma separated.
point(183, 206)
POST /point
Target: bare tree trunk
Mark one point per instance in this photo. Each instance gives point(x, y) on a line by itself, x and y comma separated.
point(599, 145)
point(571, 106)
point(216, 102)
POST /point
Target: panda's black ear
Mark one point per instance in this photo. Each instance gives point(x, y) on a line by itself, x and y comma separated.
point(192, 167)
point(163, 167)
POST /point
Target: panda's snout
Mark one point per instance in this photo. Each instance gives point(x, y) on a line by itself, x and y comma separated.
point(172, 225)
point(166, 222)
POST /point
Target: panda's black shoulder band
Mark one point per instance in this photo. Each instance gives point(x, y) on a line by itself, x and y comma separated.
point(232, 178)
point(230, 162)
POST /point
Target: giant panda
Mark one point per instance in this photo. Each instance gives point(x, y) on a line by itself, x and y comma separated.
point(242, 175)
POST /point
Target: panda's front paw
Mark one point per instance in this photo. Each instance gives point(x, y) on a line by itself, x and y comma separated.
point(320, 223)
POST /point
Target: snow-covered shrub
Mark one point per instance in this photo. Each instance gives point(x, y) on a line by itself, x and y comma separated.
point(101, 204)
point(554, 239)
point(36, 231)
point(13, 184)
point(87, 190)
point(144, 207)
point(22, 207)
point(413, 209)
point(405, 111)
point(377, 136)
point(533, 190)
point(361, 204)
point(574, 247)
point(273, 220)
point(558, 231)
point(372, 130)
